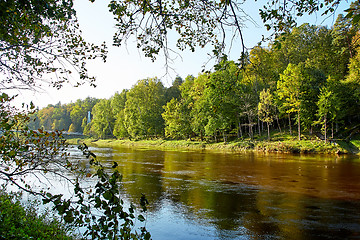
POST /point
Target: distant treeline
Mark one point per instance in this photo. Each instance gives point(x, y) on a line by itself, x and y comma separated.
point(308, 78)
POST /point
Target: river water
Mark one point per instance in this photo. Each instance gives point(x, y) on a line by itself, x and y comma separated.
point(206, 195)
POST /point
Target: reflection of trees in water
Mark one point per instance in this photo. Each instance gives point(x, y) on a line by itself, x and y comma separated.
point(206, 188)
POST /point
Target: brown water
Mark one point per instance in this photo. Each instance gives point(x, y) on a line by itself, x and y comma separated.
point(204, 195)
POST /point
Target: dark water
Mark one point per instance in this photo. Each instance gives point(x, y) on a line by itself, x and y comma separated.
point(202, 195)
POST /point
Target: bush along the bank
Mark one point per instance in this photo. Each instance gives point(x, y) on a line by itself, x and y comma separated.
point(18, 221)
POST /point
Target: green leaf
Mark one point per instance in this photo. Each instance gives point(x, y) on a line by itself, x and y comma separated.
point(107, 195)
point(141, 218)
point(115, 165)
point(356, 19)
point(69, 217)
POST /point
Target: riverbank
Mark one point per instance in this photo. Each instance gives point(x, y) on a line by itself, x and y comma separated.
point(282, 146)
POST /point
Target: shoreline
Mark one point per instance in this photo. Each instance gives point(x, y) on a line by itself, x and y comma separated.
point(276, 146)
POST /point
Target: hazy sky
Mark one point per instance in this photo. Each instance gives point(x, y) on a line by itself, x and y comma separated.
point(126, 65)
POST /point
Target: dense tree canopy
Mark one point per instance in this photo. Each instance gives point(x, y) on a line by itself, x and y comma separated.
point(294, 84)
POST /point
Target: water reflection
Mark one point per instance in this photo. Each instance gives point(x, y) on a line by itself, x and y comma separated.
point(200, 195)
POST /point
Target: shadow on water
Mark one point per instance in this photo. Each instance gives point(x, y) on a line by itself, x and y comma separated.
point(200, 195)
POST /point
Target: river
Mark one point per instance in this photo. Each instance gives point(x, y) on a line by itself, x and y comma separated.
point(216, 195)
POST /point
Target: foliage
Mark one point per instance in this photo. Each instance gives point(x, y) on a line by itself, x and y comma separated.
point(226, 101)
point(24, 152)
point(266, 108)
point(143, 108)
point(328, 106)
point(41, 154)
point(200, 23)
point(40, 41)
point(102, 124)
point(221, 94)
point(24, 222)
point(118, 102)
point(101, 209)
point(176, 123)
point(289, 91)
point(72, 117)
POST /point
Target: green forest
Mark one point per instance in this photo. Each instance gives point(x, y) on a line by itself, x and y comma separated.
point(305, 82)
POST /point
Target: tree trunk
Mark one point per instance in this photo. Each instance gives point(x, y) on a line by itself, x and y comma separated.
point(111, 131)
point(250, 131)
point(259, 127)
point(268, 130)
point(277, 119)
point(337, 127)
point(224, 136)
point(299, 127)
point(290, 124)
point(250, 128)
point(241, 133)
point(332, 130)
point(325, 123)
point(238, 131)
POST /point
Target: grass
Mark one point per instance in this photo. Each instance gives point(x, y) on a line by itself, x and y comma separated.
point(280, 142)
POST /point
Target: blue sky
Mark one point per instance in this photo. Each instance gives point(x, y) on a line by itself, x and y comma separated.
point(126, 65)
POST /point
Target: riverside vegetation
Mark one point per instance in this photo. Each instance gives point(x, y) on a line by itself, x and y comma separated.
point(304, 84)
point(307, 76)
point(284, 144)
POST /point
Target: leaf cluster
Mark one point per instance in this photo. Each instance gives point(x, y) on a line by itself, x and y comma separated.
point(101, 210)
point(44, 155)
point(24, 222)
point(40, 42)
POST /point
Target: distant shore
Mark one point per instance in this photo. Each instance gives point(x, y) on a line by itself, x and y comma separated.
point(285, 146)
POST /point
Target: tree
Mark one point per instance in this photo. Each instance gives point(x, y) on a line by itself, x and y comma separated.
point(199, 106)
point(177, 112)
point(351, 86)
point(40, 41)
point(221, 95)
point(80, 111)
point(118, 102)
point(45, 117)
point(174, 91)
point(77, 114)
point(102, 124)
point(248, 98)
point(312, 81)
point(61, 118)
point(328, 105)
point(266, 108)
point(199, 23)
point(264, 66)
point(176, 121)
point(143, 108)
point(25, 152)
point(288, 91)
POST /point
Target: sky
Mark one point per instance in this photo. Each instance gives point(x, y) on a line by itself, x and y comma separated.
point(126, 65)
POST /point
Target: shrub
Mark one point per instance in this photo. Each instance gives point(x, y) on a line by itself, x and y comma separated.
point(24, 222)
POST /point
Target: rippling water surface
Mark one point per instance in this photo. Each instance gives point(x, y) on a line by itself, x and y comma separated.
point(206, 195)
